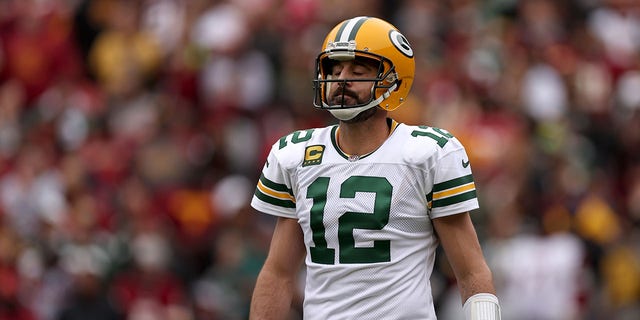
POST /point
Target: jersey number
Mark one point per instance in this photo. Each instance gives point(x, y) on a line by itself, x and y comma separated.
point(376, 220)
point(437, 134)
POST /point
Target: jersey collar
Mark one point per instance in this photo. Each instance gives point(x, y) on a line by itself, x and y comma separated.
point(335, 131)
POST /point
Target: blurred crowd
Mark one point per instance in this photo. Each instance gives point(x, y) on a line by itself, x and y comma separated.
point(132, 133)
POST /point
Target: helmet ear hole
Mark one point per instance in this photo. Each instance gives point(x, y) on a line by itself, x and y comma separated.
point(391, 78)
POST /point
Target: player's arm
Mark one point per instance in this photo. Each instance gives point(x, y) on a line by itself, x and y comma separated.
point(276, 283)
point(460, 243)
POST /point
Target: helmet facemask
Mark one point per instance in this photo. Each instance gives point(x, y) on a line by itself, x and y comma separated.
point(382, 85)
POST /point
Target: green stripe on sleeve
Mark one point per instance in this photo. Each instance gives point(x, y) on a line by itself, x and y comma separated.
point(452, 183)
point(274, 201)
point(455, 199)
point(274, 186)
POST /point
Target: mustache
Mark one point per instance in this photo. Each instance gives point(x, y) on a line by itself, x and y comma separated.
point(338, 94)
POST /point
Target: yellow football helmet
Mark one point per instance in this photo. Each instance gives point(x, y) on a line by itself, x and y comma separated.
point(371, 38)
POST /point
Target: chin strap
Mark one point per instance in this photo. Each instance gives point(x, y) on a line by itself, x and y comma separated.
point(349, 113)
point(482, 306)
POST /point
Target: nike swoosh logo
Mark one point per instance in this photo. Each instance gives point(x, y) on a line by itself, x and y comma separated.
point(465, 163)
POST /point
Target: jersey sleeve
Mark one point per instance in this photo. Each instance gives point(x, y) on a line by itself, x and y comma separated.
point(273, 193)
point(454, 190)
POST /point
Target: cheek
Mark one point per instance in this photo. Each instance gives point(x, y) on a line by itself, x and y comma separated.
point(363, 89)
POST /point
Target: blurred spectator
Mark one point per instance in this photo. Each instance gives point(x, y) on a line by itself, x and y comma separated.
point(12, 98)
point(617, 25)
point(36, 38)
point(223, 291)
point(532, 270)
point(147, 289)
point(235, 74)
point(32, 194)
point(123, 56)
point(87, 299)
point(11, 306)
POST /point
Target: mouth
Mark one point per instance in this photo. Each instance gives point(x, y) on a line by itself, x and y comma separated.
point(344, 98)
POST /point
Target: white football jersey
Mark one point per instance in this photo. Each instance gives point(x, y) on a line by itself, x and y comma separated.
point(367, 220)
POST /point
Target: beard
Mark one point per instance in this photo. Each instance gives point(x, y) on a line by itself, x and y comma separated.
point(343, 97)
point(348, 98)
point(363, 116)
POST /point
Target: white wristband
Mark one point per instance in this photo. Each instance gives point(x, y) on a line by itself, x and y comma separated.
point(482, 306)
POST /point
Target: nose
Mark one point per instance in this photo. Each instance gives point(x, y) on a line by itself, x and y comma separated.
point(344, 75)
point(345, 72)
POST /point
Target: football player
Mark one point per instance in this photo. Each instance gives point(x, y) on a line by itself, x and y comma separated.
point(366, 202)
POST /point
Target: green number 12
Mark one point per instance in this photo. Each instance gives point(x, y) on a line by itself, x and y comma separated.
point(348, 221)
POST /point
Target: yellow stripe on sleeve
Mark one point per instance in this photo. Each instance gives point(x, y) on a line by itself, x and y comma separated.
point(275, 194)
point(454, 191)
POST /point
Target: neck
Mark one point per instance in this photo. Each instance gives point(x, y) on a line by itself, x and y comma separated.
point(363, 137)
